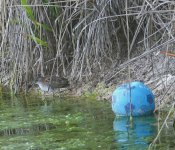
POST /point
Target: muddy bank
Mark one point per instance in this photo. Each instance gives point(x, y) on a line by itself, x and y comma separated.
point(155, 70)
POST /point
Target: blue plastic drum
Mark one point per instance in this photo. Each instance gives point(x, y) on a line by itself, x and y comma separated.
point(134, 97)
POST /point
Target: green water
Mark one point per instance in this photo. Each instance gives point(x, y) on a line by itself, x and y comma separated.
point(73, 124)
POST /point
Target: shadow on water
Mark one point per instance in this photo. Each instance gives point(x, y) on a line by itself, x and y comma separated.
point(137, 134)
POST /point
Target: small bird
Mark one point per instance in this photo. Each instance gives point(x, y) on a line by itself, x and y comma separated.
point(49, 84)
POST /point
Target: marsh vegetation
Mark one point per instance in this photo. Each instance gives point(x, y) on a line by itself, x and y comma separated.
point(100, 42)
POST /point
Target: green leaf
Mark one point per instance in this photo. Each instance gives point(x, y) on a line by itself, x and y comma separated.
point(39, 41)
point(43, 25)
point(28, 9)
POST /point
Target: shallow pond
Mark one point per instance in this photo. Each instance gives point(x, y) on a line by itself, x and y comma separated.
point(73, 124)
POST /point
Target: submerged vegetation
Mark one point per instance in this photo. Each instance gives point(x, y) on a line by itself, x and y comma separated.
point(59, 123)
point(74, 123)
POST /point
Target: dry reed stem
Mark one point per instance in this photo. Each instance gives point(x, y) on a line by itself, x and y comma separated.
point(86, 37)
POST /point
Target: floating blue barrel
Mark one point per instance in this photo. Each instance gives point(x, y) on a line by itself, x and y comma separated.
point(134, 97)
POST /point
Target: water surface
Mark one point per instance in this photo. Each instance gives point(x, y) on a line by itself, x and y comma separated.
point(71, 124)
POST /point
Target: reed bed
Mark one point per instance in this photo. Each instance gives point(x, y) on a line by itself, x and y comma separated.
point(80, 39)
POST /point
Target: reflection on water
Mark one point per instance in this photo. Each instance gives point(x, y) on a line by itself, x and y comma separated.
point(136, 134)
point(72, 124)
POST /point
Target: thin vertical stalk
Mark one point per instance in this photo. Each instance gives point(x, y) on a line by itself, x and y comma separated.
point(128, 47)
